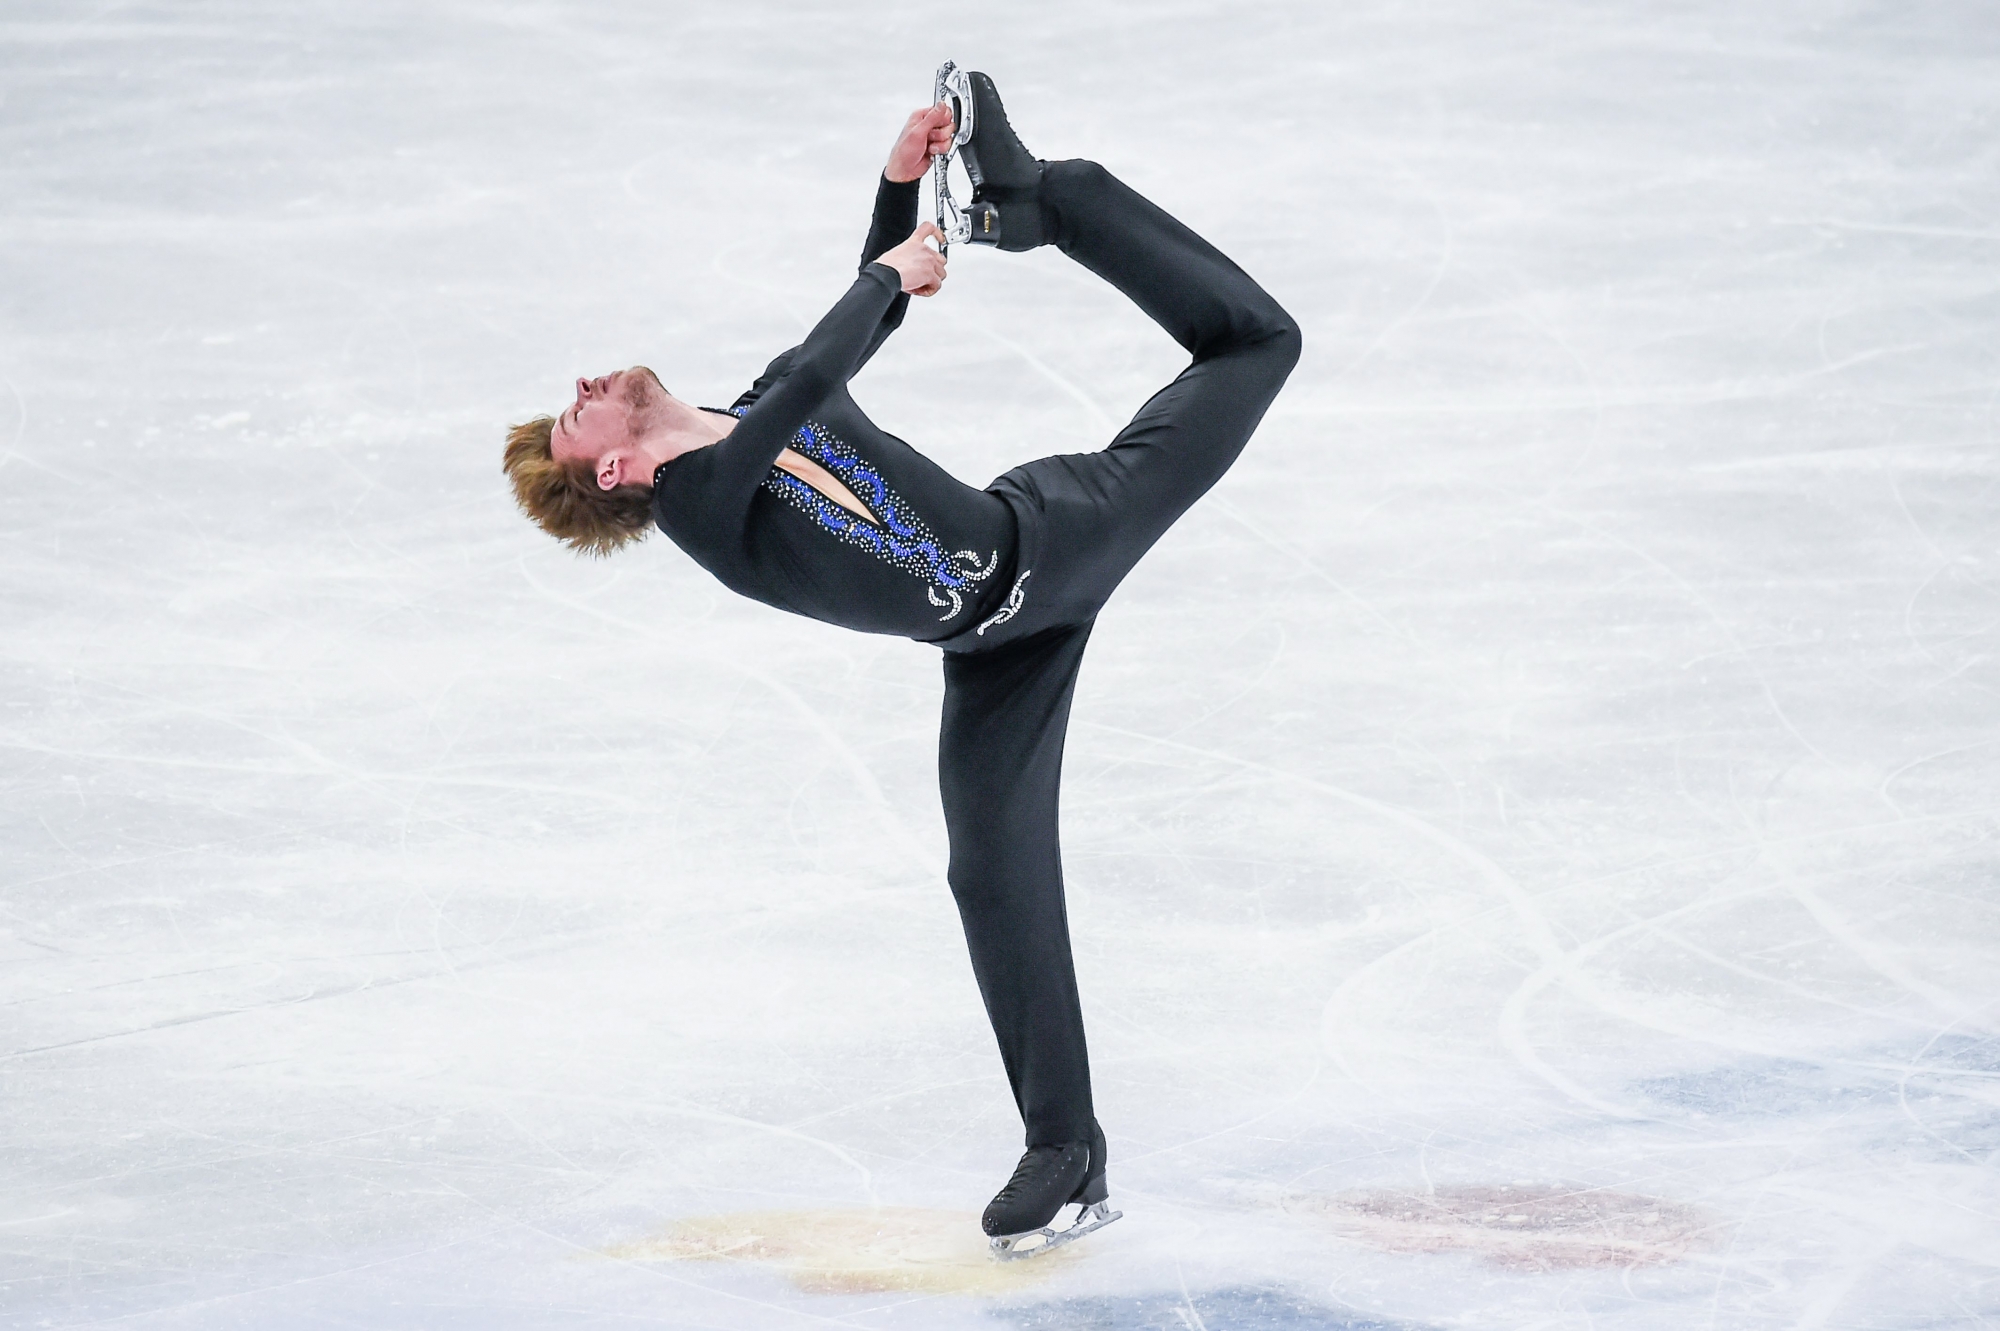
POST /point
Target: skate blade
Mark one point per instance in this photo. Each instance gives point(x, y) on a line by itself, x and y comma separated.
point(1017, 1247)
point(955, 87)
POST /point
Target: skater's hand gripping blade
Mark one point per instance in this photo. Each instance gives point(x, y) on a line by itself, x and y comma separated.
point(926, 136)
point(920, 268)
point(1015, 1247)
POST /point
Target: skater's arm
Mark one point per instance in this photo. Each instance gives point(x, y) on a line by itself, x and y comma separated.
point(895, 218)
point(772, 373)
point(824, 362)
point(926, 133)
point(804, 377)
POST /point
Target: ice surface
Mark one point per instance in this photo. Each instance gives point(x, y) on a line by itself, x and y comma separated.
point(1555, 776)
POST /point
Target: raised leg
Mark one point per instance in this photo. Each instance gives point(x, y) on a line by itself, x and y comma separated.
point(1183, 283)
point(1104, 510)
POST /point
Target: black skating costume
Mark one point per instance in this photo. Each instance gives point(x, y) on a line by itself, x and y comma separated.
point(1007, 580)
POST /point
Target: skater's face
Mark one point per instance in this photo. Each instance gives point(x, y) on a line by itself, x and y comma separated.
point(605, 423)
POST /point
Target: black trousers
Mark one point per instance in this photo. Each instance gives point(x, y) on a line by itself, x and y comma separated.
point(1085, 519)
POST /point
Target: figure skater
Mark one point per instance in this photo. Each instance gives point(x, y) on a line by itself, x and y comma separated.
point(793, 497)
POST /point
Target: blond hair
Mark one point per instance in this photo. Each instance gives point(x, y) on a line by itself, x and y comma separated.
point(563, 496)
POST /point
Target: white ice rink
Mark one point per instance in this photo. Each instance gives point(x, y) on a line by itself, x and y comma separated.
point(1531, 832)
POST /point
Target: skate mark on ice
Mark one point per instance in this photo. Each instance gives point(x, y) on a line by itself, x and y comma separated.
point(1699, 601)
point(1779, 983)
point(1986, 1066)
point(1534, 924)
point(882, 1250)
point(1447, 251)
point(1568, 971)
point(1187, 1312)
point(1301, 559)
point(1100, 419)
point(1243, 691)
point(371, 983)
point(1830, 922)
point(1230, 1130)
point(777, 295)
point(1862, 948)
point(13, 450)
point(676, 1107)
point(1785, 1094)
point(1888, 228)
point(1523, 1227)
point(919, 852)
point(1843, 1283)
point(1232, 1308)
point(1655, 926)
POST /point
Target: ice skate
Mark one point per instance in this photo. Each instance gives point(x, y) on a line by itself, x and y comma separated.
point(1005, 210)
point(1049, 1178)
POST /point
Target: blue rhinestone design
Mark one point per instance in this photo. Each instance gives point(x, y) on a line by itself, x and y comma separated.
point(898, 536)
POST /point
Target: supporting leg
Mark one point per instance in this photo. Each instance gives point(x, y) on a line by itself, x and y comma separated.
point(1000, 750)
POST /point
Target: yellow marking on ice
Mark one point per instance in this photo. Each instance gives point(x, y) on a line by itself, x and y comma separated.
point(893, 1248)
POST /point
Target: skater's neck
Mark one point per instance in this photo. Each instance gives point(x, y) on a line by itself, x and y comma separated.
point(679, 428)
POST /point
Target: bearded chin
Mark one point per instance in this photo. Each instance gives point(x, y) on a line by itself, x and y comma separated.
point(638, 386)
point(645, 399)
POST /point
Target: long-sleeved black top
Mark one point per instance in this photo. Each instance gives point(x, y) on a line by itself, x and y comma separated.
point(937, 555)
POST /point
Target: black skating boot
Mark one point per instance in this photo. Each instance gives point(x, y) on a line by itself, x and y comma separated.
point(1047, 1179)
point(1006, 208)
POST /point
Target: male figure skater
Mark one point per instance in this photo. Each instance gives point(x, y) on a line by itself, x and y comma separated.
point(793, 497)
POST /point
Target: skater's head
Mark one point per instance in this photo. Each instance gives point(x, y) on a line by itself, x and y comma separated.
point(585, 475)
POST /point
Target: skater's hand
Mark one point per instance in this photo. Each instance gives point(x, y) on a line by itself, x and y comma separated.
point(920, 266)
point(926, 134)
